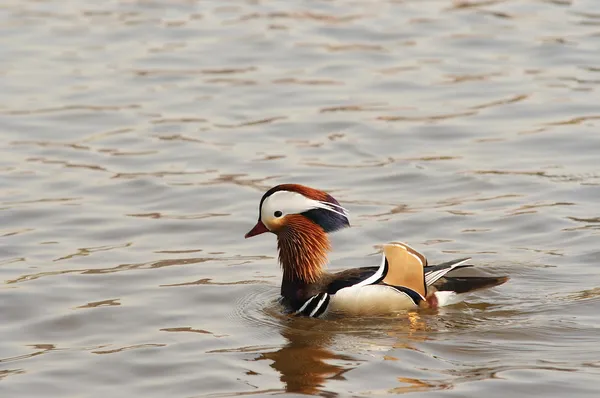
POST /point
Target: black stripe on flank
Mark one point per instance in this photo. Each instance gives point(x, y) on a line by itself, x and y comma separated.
point(416, 297)
point(386, 268)
point(313, 304)
point(323, 307)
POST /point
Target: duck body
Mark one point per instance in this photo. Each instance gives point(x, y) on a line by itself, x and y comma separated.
point(301, 217)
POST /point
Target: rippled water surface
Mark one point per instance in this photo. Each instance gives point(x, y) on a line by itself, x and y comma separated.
point(137, 137)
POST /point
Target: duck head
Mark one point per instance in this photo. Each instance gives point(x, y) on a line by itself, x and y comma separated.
point(301, 217)
point(284, 205)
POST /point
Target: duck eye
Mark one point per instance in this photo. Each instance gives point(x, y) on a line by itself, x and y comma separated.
point(278, 214)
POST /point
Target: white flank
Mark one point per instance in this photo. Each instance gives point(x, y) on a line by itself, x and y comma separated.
point(372, 299)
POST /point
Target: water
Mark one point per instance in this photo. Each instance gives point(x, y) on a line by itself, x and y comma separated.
point(138, 137)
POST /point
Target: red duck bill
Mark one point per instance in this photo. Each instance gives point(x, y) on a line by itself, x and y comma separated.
point(258, 229)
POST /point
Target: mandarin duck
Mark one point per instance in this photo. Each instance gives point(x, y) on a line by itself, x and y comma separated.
point(301, 217)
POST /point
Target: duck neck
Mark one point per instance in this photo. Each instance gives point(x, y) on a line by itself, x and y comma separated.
point(303, 248)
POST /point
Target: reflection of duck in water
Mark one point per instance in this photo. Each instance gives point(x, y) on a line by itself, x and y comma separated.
point(305, 363)
point(301, 217)
point(310, 358)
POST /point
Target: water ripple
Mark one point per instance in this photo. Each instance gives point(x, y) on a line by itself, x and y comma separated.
point(139, 137)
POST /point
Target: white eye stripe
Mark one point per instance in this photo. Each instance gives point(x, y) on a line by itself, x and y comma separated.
point(287, 202)
point(294, 203)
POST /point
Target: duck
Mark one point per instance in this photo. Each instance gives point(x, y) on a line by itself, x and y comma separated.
point(301, 217)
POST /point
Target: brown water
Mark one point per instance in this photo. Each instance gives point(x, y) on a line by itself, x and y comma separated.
point(138, 137)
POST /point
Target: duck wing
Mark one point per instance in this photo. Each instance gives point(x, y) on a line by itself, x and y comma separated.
point(407, 270)
point(435, 272)
point(400, 271)
point(403, 270)
point(401, 266)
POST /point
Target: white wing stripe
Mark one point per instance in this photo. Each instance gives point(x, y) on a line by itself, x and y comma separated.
point(376, 276)
point(431, 277)
point(379, 274)
point(434, 276)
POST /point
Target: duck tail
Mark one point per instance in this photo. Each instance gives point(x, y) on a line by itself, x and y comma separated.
point(445, 290)
point(465, 284)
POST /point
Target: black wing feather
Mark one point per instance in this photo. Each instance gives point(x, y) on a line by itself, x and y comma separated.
point(349, 278)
